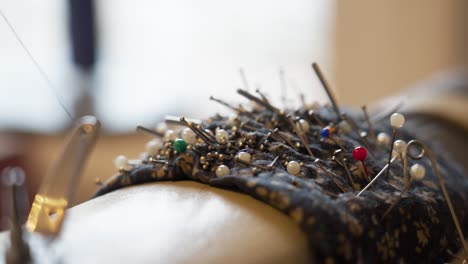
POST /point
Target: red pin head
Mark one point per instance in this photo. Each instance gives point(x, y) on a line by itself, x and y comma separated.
point(360, 153)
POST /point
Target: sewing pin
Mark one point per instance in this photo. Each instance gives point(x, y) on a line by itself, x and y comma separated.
point(360, 153)
point(239, 110)
point(317, 162)
point(314, 116)
point(376, 177)
point(293, 168)
point(327, 133)
point(244, 79)
point(396, 121)
point(280, 135)
point(301, 135)
point(149, 131)
point(270, 166)
point(282, 78)
point(399, 148)
point(325, 85)
point(338, 157)
point(369, 123)
point(257, 100)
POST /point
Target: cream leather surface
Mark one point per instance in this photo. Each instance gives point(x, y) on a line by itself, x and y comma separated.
point(179, 222)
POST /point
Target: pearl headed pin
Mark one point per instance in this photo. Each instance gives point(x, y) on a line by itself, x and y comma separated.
point(399, 150)
point(417, 172)
point(243, 156)
point(396, 121)
point(189, 136)
point(222, 171)
point(303, 125)
point(121, 163)
point(222, 135)
point(170, 134)
point(293, 167)
point(399, 146)
point(153, 147)
point(383, 139)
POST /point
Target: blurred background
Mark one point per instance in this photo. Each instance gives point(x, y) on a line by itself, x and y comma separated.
point(132, 62)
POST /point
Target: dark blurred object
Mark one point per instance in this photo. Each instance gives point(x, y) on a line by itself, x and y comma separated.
point(11, 155)
point(83, 41)
point(82, 33)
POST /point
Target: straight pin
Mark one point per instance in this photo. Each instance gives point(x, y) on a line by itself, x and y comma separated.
point(376, 177)
point(273, 162)
point(247, 163)
point(369, 123)
point(176, 120)
point(225, 104)
point(149, 131)
point(396, 121)
point(282, 78)
point(338, 158)
point(317, 161)
point(244, 79)
point(325, 85)
point(314, 116)
point(301, 135)
point(277, 132)
point(257, 100)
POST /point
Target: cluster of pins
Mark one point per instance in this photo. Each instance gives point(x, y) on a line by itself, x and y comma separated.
point(224, 145)
point(220, 146)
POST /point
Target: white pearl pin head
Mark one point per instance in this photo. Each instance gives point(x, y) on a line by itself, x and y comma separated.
point(161, 128)
point(303, 125)
point(417, 172)
point(344, 127)
point(121, 162)
point(170, 134)
point(222, 171)
point(293, 167)
point(189, 136)
point(221, 135)
point(397, 120)
point(243, 156)
point(399, 146)
point(153, 147)
point(383, 139)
